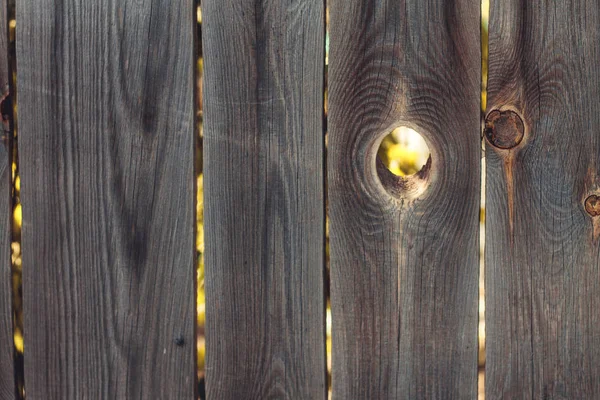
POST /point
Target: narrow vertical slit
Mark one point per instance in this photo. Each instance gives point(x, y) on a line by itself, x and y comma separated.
point(485, 9)
point(16, 254)
point(200, 299)
point(326, 284)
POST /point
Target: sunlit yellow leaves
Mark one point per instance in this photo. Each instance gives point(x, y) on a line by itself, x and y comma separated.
point(12, 27)
point(483, 100)
point(328, 344)
point(404, 151)
point(200, 298)
point(16, 253)
point(403, 160)
point(201, 354)
point(485, 12)
point(18, 339)
point(18, 217)
point(199, 219)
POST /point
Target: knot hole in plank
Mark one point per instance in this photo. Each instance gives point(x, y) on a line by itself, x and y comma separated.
point(592, 205)
point(504, 129)
point(403, 162)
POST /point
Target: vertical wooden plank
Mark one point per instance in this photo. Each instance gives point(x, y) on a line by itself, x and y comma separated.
point(264, 209)
point(7, 378)
point(106, 116)
point(404, 252)
point(542, 249)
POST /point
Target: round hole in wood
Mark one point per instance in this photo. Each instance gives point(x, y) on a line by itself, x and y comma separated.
point(403, 162)
point(403, 151)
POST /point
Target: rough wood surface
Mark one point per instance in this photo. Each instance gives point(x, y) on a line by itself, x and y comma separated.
point(106, 117)
point(404, 253)
point(264, 204)
point(542, 249)
point(7, 379)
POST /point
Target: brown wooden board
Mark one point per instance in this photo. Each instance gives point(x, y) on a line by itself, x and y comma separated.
point(404, 253)
point(7, 379)
point(106, 117)
point(542, 248)
point(264, 198)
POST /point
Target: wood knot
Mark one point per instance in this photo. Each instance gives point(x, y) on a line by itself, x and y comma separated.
point(504, 129)
point(592, 205)
point(179, 341)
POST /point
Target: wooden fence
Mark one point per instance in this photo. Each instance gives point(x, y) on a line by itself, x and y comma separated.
point(106, 138)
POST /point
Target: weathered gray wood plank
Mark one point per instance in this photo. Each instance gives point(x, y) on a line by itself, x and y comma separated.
point(7, 378)
point(264, 200)
point(106, 117)
point(542, 249)
point(404, 254)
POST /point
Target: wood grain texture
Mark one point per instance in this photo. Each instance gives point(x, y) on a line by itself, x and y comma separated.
point(542, 249)
point(404, 253)
point(264, 204)
point(106, 117)
point(7, 378)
